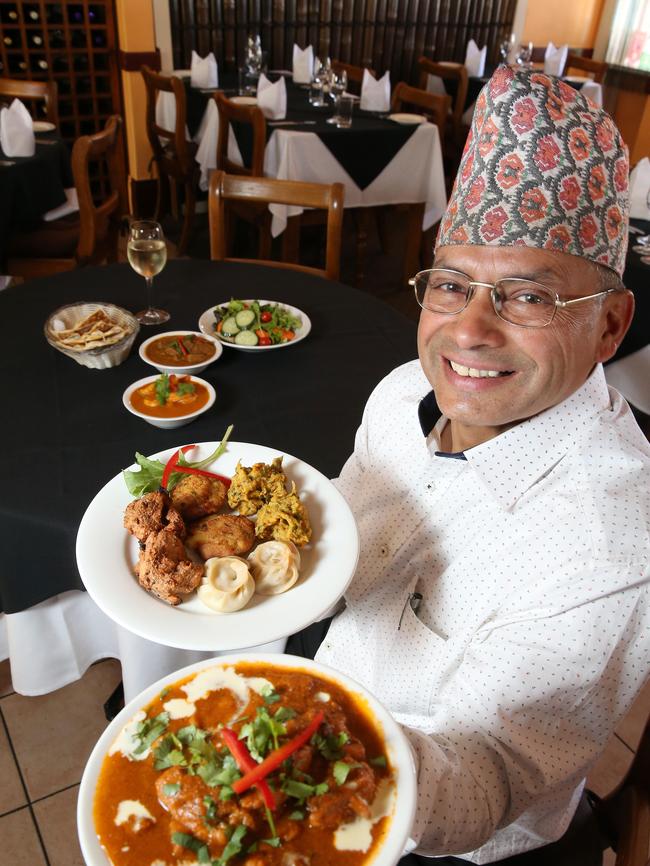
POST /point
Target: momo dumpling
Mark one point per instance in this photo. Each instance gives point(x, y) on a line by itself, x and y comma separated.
point(227, 585)
point(275, 566)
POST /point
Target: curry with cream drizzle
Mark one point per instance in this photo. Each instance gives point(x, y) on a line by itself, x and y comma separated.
point(166, 793)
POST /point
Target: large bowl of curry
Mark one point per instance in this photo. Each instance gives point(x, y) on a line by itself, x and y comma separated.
point(169, 400)
point(255, 760)
point(180, 351)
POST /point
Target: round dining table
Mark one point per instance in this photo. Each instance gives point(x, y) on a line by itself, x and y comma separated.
point(66, 434)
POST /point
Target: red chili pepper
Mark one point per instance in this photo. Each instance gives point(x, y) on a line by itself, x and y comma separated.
point(190, 470)
point(275, 759)
point(182, 345)
point(171, 464)
point(246, 762)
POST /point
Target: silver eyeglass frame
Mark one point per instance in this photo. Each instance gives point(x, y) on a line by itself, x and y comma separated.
point(493, 289)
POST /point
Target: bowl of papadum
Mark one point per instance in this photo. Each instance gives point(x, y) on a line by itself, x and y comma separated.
point(94, 334)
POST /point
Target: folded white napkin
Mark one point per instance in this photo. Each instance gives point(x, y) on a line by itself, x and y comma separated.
point(16, 130)
point(555, 59)
point(640, 190)
point(272, 98)
point(475, 59)
point(375, 95)
point(303, 64)
point(204, 71)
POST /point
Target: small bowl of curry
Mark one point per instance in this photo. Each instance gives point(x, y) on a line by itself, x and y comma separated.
point(169, 400)
point(180, 351)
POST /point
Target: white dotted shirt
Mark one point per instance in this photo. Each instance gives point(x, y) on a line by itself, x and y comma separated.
point(533, 634)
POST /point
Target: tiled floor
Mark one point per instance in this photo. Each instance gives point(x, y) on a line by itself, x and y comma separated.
point(45, 741)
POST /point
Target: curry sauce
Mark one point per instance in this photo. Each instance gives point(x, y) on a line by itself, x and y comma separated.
point(173, 802)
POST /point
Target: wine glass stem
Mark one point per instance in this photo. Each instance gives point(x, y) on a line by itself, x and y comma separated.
point(149, 281)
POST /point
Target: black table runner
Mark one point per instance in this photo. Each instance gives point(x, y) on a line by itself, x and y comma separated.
point(32, 185)
point(66, 433)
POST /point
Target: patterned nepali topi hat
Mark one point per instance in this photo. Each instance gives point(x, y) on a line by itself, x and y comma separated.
point(542, 167)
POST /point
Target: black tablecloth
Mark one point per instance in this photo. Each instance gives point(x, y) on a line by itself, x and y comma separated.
point(66, 433)
point(364, 150)
point(32, 186)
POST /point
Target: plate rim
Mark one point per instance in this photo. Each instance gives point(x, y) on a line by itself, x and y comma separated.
point(396, 741)
point(305, 328)
point(243, 99)
point(189, 633)
point(43, 126)
point(395, 114)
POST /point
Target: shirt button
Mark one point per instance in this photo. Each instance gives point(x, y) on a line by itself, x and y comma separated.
point(383, 550)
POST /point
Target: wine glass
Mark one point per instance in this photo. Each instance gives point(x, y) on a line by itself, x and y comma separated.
point(316, 92)
point(147, 254)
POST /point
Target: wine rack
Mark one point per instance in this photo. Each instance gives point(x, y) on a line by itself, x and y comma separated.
point(72, 43)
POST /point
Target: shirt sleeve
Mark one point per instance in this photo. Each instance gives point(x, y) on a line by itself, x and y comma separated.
point(527, 713)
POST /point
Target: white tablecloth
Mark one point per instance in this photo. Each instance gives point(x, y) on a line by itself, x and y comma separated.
point(55, 642)
point(415, 174)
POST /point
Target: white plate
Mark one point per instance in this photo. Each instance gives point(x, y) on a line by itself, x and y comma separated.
point(577, 79)
point(397, 746)
point(43, 126)
point(207, 323)
point(106, 555)
point(244, 100)
point(182, 73)
point(408, 119)
point(167, 423)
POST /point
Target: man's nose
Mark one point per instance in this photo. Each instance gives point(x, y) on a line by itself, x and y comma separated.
point(478, 324)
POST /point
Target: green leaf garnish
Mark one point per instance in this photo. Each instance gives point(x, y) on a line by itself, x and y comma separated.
point(210, 808)
point(171, 789)
point(379, 761)
point(185, 388)
point(149, 730)
point(162, 388)
point(301, 790)
point(341, 771)
point(169, 754)
point(185, 840)
point(233, 846)
point(331, 746)
point(297, 815)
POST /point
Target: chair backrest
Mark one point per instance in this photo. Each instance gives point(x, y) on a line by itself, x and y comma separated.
point(355, 73)
point(624, 814)
point(230, 112)
point(434, 106)
point(447, 71)
point(170, 147)
point(225, 188)
point(594, 68)
point(99, 222)
point(33, 90)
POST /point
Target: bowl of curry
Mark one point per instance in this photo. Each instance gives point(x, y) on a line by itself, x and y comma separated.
point(256, 760)
point(169, 400)
point(180, 351)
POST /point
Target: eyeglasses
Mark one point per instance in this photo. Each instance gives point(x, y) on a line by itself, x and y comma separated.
point(515, 300)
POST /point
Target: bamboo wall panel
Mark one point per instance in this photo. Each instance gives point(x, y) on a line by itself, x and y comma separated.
point(382, 34)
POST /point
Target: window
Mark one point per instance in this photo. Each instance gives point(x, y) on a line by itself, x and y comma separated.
point(629, 43)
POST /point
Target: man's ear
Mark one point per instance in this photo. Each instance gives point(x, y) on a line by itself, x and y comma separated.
point(617, 313)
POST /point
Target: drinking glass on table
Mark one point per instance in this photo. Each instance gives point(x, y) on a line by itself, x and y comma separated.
point(316, 88)
point(337, 88)
point(147, 254)
point(344, 111)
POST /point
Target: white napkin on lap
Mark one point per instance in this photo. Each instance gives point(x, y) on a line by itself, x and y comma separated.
point(640, 190)
point(303, 64)
point(204, 71)
point(555, 59)
point(17, 131)
point(272, 98)
point(475, 58)
point(375, 95)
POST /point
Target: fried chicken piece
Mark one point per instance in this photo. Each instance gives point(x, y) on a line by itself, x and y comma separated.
point(151, 513)
point(221, 535)
point(187, 806)
point(195, 496)
point(165, 570)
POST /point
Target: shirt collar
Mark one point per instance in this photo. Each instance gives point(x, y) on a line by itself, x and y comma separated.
point(432, 423)
point(514, 461)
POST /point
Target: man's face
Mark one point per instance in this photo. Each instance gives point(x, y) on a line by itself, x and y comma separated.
point(538, 367)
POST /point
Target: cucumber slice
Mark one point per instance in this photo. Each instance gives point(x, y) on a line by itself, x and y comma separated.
point(229, 327)
point(245, 318)
point(246, 338)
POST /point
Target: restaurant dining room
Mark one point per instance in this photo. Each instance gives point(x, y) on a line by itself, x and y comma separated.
point(326, 506)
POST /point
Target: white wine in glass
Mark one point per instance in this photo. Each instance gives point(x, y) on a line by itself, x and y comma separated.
point(147, 254)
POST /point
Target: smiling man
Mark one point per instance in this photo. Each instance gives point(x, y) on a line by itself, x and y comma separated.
point(501, 606)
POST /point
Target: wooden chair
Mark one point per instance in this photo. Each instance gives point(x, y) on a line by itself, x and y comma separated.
point(89, 236)
point(226, 189)
point(355, 74)
point(435, 107)
point(46, 91)
point(595, 69)
point(172, 152)
point(258, 215)
point(624, 814)
point(457, 73)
